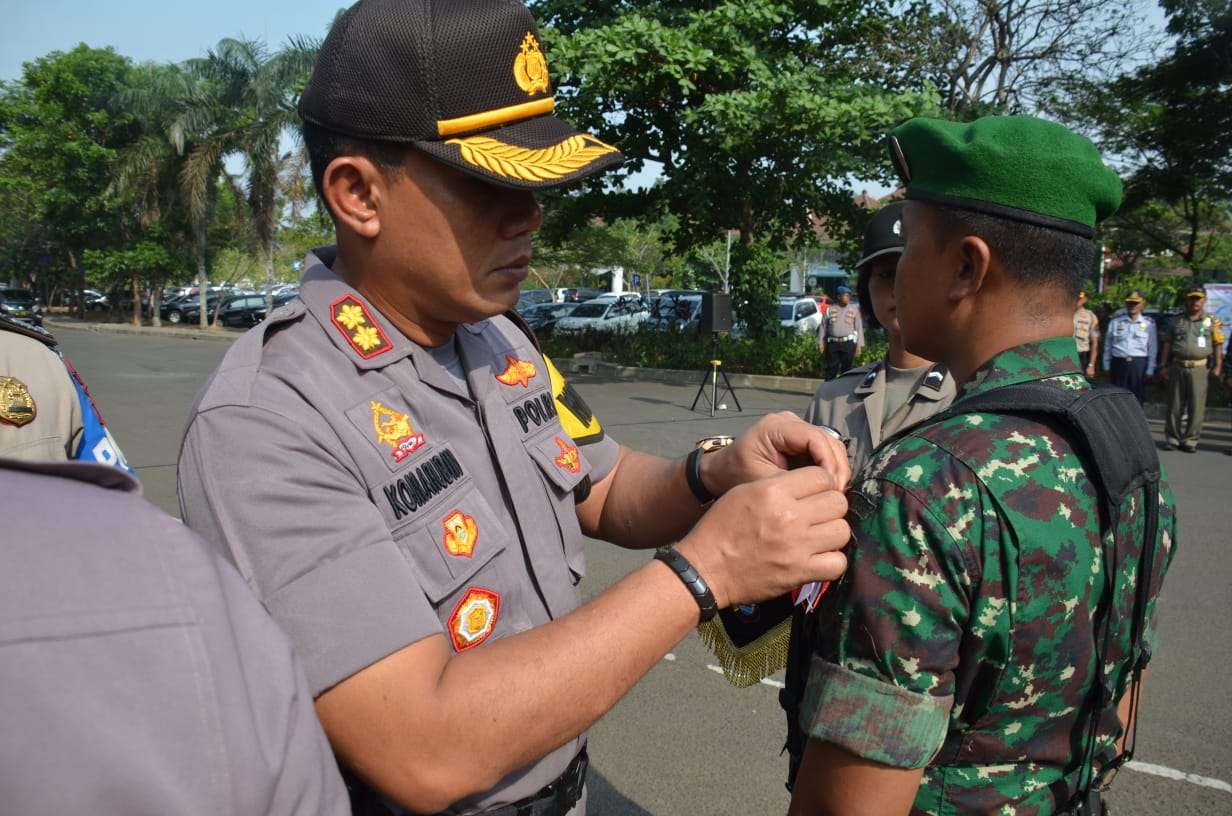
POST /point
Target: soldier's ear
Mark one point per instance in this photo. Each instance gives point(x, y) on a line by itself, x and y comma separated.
point(354, 187)
point(971, 260)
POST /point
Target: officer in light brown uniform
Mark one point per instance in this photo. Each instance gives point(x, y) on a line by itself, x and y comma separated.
point(1086, 335)
point(1192, 353)
point(405, 480)
point(840, 338)
point(872, 402)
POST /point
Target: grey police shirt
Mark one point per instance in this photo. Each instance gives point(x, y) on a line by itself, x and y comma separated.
point(139, 673)
point(372, 500)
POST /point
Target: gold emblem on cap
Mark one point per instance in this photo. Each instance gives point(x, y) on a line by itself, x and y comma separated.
point(16, 405)
point(530, 68)
point(547, 164)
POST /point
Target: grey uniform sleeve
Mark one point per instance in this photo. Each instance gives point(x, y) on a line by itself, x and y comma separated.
point(303, 532)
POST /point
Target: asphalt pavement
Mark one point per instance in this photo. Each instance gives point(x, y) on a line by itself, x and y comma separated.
point(684, 741)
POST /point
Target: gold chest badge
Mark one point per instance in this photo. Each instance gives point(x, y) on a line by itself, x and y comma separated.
point(394, 429)
point(16, 405)
point(461, 533)
point(530, 67)
point(474, 618)
point(517, 372)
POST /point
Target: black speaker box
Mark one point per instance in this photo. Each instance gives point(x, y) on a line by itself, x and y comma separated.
point(716, 314)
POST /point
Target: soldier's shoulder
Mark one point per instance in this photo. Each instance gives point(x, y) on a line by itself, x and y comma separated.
point(15, 326)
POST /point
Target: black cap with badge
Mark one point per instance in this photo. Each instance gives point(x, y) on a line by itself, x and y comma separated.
point(884, 233)
point(465, 82)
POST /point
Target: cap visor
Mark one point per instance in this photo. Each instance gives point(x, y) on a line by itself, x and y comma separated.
point(535, 154)
point(872, 255)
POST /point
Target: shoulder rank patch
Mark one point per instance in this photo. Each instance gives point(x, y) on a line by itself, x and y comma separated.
point(16, 405)
point(358, 327)
point(575, 415)
point(394, 429)
point(461, 533)
point(568, 458)
point(935, 378)
point(474, 618)
point(517, 372)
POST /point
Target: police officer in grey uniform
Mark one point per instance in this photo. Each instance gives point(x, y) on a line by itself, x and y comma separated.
point(1130, 347)
point(405, 480)
point(840, 337)
point(872, 402)
point(139, 673)
point(1192, 354)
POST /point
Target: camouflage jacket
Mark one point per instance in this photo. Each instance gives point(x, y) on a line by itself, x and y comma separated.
point(961, 638)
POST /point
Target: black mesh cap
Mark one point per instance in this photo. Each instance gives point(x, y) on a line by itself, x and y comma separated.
point(465, 81)
point(884, 233)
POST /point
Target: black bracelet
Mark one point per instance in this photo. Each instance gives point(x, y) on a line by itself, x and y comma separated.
point(693, 475)
point(695, 583)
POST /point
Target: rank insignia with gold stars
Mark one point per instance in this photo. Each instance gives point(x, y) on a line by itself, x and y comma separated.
point(517, 372)
point(16, 405)
point(394, 429)
point(461, 533)
point(358, 327)
point(474, 618)
point(568, 458)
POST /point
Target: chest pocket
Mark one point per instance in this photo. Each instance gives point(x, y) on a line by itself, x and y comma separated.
point(560, 462)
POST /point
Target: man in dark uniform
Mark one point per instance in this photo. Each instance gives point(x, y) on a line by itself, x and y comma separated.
point(840, 338)
point(139, 673)
point(405, 480)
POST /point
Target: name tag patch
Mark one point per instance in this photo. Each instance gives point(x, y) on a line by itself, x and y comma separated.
point(417, 487)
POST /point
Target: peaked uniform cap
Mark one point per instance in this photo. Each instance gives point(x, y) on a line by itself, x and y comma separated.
point(884, 233)
point(1015, 167)
point(465, 82)
point(1134, 296)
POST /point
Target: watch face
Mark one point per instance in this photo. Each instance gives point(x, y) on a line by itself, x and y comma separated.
point(714, 442)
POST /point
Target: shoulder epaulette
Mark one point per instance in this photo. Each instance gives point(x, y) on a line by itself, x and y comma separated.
point(37, 332)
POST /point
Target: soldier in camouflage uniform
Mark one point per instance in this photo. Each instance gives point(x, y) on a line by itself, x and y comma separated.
point(953, 664)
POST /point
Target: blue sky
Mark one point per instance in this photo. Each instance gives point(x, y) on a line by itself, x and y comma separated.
point(155, 30)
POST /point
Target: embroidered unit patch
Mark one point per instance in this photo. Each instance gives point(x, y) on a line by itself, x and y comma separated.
point(461, 534)
point(394, 429)
point(568, 458)
point(358, 327)
point(530, 67)
point(474, 618)
point(517, 372)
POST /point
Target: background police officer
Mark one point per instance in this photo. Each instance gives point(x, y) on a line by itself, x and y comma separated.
point(840, 338)
point(1086, 335)
point(1186, 363)
point(1130, 348)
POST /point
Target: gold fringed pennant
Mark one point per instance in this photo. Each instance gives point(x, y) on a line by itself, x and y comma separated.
point(749, 642)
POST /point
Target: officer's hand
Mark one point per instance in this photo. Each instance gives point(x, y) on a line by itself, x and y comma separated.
point(777, 442)
point(1163, 372)
point(768, 537)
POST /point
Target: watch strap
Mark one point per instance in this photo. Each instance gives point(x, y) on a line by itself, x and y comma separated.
point(692, 579)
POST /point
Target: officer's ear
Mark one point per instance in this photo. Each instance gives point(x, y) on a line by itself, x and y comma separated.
point(972, 259)
point(354, 188)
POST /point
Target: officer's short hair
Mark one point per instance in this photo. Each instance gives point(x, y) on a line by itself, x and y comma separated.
point(1034, 255)
point(324, 146)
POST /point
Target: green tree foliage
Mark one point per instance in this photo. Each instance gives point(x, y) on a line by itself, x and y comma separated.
point(59, 135)
point(756, 112)
point(1171, 125)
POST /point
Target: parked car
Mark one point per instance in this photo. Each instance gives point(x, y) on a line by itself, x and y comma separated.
point(531, 297)
point(542, 317)
point(607, 313)
point(577, 295)
point(92, 299)
point(678, 310)
point(187, 308)
point(799, 313)
point(245, 311)
point(21, 304)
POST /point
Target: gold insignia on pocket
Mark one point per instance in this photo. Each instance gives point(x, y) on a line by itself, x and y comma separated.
point(16, 405)
point(517, 372)
point(394, 429)
point(474, 618)
point(568, 458)
point(530, 67)
point(461, 533)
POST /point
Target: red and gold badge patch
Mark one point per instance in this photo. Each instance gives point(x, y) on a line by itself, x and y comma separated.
point(568, 458)
point(358, 327)
point(517, 372)
point(474, 618)
point(394, 429)
point(461, 533)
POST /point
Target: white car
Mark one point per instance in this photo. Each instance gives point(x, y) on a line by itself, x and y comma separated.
point(612, 313)
point(800, 314)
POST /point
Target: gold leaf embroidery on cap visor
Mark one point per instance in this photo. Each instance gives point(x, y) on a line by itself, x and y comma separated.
point(550, 163)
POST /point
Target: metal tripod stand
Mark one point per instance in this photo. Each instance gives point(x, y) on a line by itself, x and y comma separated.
point(712, 379)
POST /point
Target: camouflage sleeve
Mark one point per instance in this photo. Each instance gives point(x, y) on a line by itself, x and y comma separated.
point(881, 684)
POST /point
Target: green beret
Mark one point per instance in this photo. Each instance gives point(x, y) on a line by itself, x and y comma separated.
point(1015, 167)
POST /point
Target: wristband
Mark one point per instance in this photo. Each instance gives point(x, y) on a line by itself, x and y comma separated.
point(695, 583)
point(693, 475)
